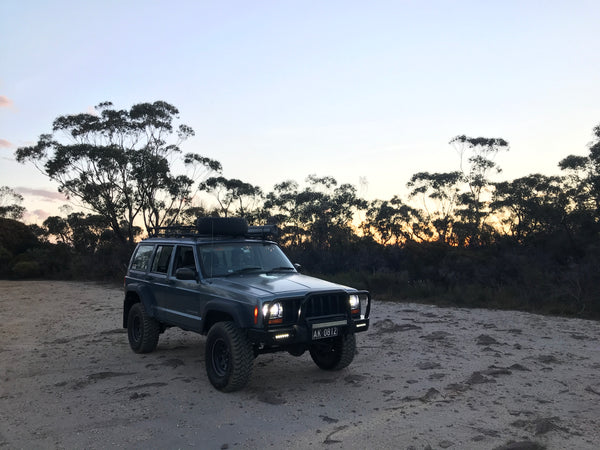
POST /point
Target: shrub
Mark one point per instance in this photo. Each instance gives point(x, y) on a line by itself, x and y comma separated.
point(26, 269)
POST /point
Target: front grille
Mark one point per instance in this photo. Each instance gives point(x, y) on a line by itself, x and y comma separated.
point(314, 306)
point(290, 310)
point(319, 305)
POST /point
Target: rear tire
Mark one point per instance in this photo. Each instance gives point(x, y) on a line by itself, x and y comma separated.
point(229, 357)
point(142, 330)
point(334, 354)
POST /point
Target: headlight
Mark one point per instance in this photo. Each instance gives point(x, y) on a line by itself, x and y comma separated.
point(354, 304)
point(274, 311)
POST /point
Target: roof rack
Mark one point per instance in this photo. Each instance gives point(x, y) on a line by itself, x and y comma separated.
point(173, 231)
point(184, 231)
point(263, 231)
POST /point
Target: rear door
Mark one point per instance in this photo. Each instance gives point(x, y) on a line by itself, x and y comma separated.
point(159, 279)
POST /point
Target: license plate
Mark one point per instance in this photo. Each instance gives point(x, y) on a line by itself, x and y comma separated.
point(327, 332)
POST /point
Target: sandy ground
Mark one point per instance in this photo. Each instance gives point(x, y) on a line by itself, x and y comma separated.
point(423, 378)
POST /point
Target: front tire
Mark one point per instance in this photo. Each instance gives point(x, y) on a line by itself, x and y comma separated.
point(142, 330)
point(229, 357)
point(335, 354)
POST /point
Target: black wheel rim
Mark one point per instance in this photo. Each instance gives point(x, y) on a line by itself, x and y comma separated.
point(136, 329)
point(220, 357)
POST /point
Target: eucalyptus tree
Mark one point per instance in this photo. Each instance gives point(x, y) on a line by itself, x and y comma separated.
point(393, 222)
point(233, 193)
point(119, 164)
point(10, 204)
point(438, 194)
point(476, 163)
point(83, 232)
point(282, 206)
point(583, 178)
point(320, 214)
point(530, 206)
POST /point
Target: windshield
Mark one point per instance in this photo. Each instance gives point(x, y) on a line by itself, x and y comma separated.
point(223, 259)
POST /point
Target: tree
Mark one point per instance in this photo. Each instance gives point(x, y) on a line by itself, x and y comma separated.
point(233, 191)
point(118, 163)
point(319, 215)
point(281, 205)
point(391, 222)
point(439, 193)
point(583, 178)
point(534, 205)
point(10, 204)
point(83, 232)
point(476, 162)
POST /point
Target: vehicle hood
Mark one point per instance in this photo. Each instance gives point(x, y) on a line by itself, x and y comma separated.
point(277, 284)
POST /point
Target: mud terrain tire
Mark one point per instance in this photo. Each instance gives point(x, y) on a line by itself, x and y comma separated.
point(335, 354)
point(143, 331)
point(229, 357)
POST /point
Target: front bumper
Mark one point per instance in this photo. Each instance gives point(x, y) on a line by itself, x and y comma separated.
point(303, 334)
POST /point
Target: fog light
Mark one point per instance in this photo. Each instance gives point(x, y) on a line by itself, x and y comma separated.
point(282, 336)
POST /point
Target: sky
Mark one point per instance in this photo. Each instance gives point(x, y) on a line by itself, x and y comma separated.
point(367, 92)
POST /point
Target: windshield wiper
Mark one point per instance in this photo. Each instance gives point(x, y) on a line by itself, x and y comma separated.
point(245, 270)
point(281, 269)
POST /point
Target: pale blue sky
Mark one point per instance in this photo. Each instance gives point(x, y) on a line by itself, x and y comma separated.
point(278, 90)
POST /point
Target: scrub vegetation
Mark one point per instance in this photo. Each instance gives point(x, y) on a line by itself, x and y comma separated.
point(460, 237)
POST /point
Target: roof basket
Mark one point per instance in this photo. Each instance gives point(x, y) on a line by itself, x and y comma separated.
point(173, 231)
point(217, 226)
point(263, 231)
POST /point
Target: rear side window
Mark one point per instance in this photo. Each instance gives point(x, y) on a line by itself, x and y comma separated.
point(142, 257)
point(162, 258)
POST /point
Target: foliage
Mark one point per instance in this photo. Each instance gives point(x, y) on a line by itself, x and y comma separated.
point(15, 237)
point(10, 204)
point(233, 191)
point(531, 206)
point(476, 162)
point(532, 243)
point(117, 163)
point(439, 194)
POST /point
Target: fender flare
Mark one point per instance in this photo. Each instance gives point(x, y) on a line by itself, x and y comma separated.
point(138, 292)
point(240, 313)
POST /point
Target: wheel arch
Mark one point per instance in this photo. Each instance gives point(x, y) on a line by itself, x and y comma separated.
point(131, 298)
point(138, 294)
point(225, 312)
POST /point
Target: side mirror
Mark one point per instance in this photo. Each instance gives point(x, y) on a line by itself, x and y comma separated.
point(185, 273)
point(298, 267)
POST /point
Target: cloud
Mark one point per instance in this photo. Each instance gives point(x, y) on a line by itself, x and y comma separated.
point(45, 194)
point(5, 144)
point(37, 216)
point(92, 111)
point(5, 102)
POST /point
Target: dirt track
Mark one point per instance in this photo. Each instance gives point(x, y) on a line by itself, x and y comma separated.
point(424, 377)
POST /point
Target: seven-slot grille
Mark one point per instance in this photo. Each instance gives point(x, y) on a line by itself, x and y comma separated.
point(319, 305)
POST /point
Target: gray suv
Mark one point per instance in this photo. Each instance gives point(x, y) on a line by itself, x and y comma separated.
point(228, 281)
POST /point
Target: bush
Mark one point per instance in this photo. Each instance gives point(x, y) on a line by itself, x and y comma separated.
point(16, 237)
point(26, 269)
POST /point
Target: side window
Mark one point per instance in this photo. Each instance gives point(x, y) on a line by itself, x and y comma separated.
point(184, 257)
point(162, 257)
point(142, 258)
